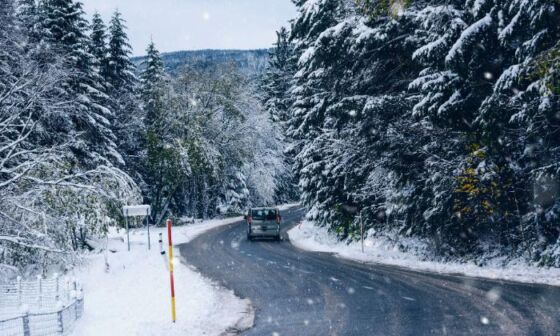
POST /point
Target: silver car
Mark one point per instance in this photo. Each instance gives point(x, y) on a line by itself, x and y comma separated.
point(263, 222)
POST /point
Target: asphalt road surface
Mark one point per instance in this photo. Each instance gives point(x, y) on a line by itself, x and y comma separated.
point(305, 293)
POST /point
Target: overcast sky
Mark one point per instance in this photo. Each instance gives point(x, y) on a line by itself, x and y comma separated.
point(198, 24)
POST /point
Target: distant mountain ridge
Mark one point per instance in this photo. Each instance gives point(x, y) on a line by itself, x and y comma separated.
point(250, 62)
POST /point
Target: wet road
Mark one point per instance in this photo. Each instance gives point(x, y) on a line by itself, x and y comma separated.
point(305, 293)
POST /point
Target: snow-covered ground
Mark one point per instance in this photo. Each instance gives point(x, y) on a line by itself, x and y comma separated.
point(287, 206)
point(131, 296)
point(306, 236)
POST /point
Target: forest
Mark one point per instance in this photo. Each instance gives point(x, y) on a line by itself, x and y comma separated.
point(435, 119)
point(426, 118)
point(83, 131)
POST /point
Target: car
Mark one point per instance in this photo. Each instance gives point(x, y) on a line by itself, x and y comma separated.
point(263, 223)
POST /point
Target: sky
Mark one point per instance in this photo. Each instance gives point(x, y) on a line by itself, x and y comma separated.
point(198, 24)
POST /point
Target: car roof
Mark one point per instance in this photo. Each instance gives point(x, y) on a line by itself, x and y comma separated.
point(262, 208)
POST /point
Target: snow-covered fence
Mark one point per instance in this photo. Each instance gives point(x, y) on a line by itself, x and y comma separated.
point(40, 307)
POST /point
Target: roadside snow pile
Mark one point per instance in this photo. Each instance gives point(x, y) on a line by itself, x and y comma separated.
point(309, 237)
point(127, 293)
point(287, 206)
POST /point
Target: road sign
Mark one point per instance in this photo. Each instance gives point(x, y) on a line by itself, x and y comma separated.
point(137, 211)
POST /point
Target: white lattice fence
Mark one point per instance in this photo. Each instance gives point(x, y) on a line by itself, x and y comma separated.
point(40, 307)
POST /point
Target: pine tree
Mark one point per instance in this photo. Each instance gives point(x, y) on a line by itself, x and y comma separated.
point(64, 27)
point(277, 101)
point(9, 49)
point(123, 89)
point(163, 173)
point(153, 82)
point(28, 15)
point(278, 78)
point(120, 68)
point(236, 194)
point(430, 119)
point(98, 47)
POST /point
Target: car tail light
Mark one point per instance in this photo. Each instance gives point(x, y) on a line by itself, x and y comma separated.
point(277, 219)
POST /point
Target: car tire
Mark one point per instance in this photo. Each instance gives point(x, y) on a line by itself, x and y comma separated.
point(278, 238)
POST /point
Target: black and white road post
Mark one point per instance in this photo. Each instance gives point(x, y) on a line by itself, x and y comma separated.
point(161, 250)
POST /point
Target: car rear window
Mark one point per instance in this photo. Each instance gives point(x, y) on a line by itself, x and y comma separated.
point(263, 214)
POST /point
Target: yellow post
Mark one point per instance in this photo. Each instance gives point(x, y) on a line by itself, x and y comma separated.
point(173, 312)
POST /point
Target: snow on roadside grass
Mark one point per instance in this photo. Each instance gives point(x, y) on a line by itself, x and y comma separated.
point(133, 297)
point(309, 237)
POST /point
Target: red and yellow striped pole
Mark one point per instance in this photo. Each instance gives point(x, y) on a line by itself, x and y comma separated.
point(173, 313)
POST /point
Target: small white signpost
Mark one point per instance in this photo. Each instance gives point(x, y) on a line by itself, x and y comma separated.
point(137, 211)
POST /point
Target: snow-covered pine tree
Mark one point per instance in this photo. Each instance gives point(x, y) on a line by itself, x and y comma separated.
point(431, 118)
point(121, 69)
point(153, 81)
point(236, 196)
point(162, 172)
point(123, 87)
point(277, 101)
point(310, 93)
point(352, 77)
point(64, 28)
point(278, 78)
point(9, 50)
point(28, 15)
point(521, 118)
point(48, 204)
point(475, 91)
point(98, 45)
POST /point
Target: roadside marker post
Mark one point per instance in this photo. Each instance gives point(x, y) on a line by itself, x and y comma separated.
point(161, 250)
point(171, 278)
point(361, 231)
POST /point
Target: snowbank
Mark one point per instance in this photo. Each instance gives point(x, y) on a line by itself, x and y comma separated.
point(287, 206)
point(306, 236)
point(133, 297)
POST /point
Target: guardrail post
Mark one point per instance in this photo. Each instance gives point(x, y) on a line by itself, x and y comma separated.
point(76, 299)
point(80, 307)
point(19, 291)
point(57, 281)
point(60, 322)
point(25, 320)
point(40, 291)
point(68, 290)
